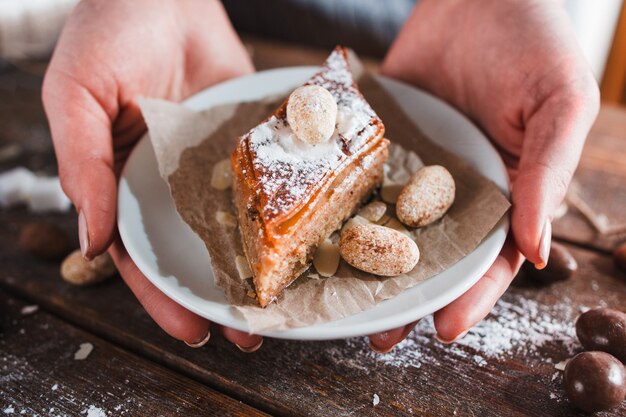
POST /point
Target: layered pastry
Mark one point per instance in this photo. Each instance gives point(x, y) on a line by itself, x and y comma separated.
point(302, 172)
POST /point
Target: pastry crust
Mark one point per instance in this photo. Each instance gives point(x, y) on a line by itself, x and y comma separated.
point(288, 203)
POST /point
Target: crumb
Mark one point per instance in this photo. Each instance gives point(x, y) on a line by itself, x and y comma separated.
point(251, 294)
point(26, 310)
point(561, 365)
point(83, 352)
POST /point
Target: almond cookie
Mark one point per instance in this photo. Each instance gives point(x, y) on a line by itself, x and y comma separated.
point(378, 250)
point(426, 197)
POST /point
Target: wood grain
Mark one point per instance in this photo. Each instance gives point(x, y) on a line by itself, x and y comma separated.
point(423, 377)
point(40, 376)
point(602, 173)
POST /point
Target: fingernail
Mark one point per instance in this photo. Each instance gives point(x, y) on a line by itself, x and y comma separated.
point(544, 245)
point(449, 342)
point(201, 343)
point(250, 349)
point(83, 236)
point(379, 350)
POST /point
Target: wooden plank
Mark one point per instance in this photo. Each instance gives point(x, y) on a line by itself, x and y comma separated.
point(273, 54)
point(423, 377)
point(39, 374)
point(613, 86)
point(602, 173)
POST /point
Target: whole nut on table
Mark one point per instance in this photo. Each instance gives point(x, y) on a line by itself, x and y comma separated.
point(595, 381)
point(561, 266)
point(44, 240)
point(603, 329)
point(78, 271)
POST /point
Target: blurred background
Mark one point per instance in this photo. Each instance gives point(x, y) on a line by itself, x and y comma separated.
point(29, 29)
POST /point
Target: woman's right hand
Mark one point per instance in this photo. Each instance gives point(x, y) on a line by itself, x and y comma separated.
point(111, 53)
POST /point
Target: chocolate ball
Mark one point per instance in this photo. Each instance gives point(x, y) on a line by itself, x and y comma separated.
point(46, 241)
point(561, 266)
point(595, 381)
point(603, 329)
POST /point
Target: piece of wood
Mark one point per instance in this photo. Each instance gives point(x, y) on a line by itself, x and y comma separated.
point(602, 173)
point(273, 54)
point(613, 86)
point(40, 375)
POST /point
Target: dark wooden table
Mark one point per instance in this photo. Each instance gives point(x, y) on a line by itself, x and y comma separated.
point(506, 366)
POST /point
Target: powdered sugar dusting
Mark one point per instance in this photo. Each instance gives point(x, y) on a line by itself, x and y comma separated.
point(289, 170)
point(94, 411)
point(517, 327)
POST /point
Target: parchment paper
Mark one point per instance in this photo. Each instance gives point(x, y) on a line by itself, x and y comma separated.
point(187, 146)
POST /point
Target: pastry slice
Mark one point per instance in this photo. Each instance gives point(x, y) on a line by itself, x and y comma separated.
point(291, 191)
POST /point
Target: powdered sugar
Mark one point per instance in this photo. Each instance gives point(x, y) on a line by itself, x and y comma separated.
point(517, 327)
point(94, 411)
point(289, 170)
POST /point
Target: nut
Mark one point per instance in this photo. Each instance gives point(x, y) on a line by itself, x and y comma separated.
point(352, 222)
point(312, 113)
point(390, 191)
point(78, 271)
point(378, 250)
point(243, 267)
point(394, 224)
point(46, 241)
point(374, 211)
point(384, 220)
point(222, 177)
point(426, 197)
point(326, 258)
point(561, 266)
point(226, 219)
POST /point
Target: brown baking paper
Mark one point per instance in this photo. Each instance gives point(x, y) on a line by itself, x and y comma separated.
point(188, 144)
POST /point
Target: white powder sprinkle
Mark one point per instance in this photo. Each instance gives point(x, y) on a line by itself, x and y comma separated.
point(26, 310)
point(561, 365)
point(517, 327)
point(94, 411)
point(376, 400)
point(55, 387)
point(9, 410)
point(289, 170)
point(83, 352)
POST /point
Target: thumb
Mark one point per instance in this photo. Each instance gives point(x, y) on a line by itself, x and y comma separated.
point(553, 140)
point(81, 132)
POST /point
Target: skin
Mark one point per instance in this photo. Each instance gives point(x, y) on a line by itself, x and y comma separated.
point(515, 69)
point(511, 66)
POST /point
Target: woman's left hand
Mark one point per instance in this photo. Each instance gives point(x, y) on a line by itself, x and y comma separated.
point(516, 70)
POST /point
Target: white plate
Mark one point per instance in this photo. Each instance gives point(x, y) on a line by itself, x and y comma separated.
point(174, 259)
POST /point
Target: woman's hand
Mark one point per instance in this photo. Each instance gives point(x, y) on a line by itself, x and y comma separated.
point(513, 67)
point(110, 54)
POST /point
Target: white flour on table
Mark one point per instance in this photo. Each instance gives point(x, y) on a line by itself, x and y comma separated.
point(517, 326)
